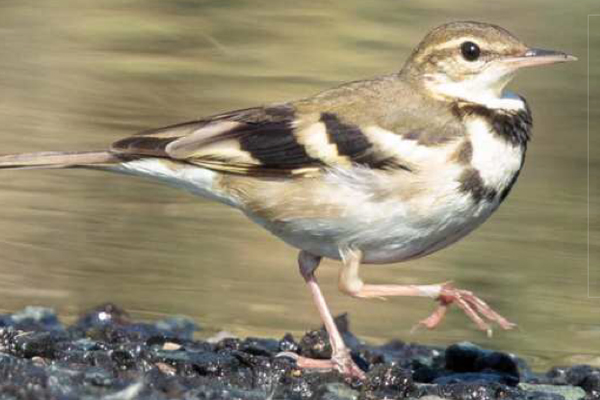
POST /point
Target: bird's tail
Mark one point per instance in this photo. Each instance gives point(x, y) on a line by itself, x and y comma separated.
point(58, 159)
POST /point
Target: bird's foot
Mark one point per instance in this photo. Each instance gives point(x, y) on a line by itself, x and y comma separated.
point(475, 308)
point(342, 363)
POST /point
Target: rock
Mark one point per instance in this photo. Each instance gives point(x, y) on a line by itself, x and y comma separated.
point(567, 392)
point(260, 347)
point(315, 344)
point(335, 391)
point(470, 363)
point(461, 357)
point(32, 319)
point(106, 354)
point(478, 377)
point(474, 391)
point(584, 376)
point(287, 343)
point(216, 338)
point(389, 381)
point(103, 315)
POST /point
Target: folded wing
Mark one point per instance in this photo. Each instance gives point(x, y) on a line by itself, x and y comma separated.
point(262, 141)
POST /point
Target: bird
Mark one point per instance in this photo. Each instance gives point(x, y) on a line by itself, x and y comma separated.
point(375, 171)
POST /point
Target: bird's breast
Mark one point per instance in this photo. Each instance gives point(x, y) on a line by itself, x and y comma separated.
point(497, 142)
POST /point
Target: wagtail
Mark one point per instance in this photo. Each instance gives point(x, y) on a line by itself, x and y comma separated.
point(376, 171)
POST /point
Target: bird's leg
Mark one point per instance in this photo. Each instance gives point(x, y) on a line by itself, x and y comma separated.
point(475, 308)
point(340, 354)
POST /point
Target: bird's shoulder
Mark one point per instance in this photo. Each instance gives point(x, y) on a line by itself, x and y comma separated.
point(360, 123)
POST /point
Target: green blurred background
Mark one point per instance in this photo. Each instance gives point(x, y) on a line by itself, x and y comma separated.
point(79, 74)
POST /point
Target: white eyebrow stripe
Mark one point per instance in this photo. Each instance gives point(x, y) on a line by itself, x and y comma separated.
point(455, 43)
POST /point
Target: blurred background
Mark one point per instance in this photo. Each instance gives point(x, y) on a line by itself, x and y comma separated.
point(79, 74)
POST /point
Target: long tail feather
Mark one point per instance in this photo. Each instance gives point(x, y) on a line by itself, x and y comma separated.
point(58, 159)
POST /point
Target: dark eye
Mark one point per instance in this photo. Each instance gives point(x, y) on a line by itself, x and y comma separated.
point(470, 51)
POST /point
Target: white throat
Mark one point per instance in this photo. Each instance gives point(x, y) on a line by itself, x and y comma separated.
point(479, 90)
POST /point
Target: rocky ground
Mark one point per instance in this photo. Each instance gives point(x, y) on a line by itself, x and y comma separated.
point(106, 355)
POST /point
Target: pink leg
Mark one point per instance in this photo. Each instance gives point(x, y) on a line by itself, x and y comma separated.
point(340, 357)
point(475, 308)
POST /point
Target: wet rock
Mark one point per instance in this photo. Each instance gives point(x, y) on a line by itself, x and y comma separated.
point(475, 391)
point(106, 354)
point(586, 377)
point(555, 376)
point(260, 347)
point(224, 392)
point(32, 319)
point(103, 315)
point(38, 344)
point(389, 381)
point(470, 363)
point(525, 372)
point(219, 336)
point(591, 385)
point(549, 391)
point(426, 361)
point(179, 327)
point(461, 357)
point(583, 376)
point(110, 324)
point(288, 344)
point(476, 377)
point(335, 391)
point(307, 384)
point(315, 344)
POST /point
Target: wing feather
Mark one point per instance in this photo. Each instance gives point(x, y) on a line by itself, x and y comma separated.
point(271, 141)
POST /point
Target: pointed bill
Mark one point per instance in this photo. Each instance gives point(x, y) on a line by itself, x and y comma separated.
point(534, 57)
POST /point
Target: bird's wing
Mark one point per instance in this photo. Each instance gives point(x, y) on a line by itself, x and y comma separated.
point(262, 141)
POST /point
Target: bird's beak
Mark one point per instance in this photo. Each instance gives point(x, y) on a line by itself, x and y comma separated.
point(533, 57)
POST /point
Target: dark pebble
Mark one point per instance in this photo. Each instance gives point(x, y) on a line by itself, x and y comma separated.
point(388, 381)
point(106, 354)
point(470, 363)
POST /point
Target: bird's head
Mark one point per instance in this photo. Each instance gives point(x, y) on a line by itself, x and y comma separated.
point(472, 61)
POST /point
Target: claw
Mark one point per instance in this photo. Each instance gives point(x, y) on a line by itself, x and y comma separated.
point(433, 320)
point(475, 308)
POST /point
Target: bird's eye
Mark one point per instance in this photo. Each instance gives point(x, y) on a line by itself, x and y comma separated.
point(470, 51)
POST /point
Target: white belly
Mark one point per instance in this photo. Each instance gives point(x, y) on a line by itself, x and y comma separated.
point(404, 233)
